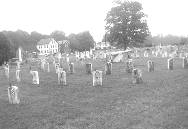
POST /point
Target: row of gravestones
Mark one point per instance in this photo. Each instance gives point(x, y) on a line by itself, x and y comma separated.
point(97, 75)
point(13, 90)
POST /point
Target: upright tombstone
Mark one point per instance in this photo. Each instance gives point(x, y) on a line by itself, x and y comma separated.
point(150, 66)
point(130, 66)
point(89, 68)
point(108, 58)
point(170, 63)
point(145, 54)
point(62, 77)
point(6, 68)
point(47, 67)
point(20, 54)
point(35, 77)
point(57, 66)
point(13, 95)
point(185, 63)
point(18, 65)
point(42, 64)
point(137, 76)
point(108, 68)
point(97, 78)
point(71, 68)
point(18, 78)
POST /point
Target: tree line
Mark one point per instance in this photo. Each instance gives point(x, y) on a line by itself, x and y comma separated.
point(11, 40)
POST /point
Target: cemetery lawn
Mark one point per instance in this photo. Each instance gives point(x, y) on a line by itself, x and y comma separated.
point(161, 102)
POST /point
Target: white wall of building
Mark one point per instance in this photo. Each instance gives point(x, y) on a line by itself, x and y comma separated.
point(50, 48)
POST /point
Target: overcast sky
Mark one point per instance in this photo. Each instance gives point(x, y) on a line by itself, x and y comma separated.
point(74, 16)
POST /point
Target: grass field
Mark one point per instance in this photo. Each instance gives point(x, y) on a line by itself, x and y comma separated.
point(161, 102)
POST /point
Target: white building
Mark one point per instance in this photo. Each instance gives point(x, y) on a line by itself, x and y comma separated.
point(47, 46)
point(102, 45)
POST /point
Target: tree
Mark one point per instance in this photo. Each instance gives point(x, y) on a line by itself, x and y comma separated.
point(81, 42)
point(126, 24)
point(86, 40)
point(183, 41)
point(58, 35)
point(5, 49)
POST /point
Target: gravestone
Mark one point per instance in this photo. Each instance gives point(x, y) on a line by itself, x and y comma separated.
point(170, 63)
point(35, 77)
point(62, 77)
point(46, 67)
point(43, 65)
point(57, 66)
point(97, 78)
point(185, 63)
point(89, 68)
point(108, 68)
point(6, 68)
point(18, 78)
point(150, 66)
point(13, 95)
point(145, 54)
point(137, 76)
point(129, 66)
point(71, 68)
point(18, 65)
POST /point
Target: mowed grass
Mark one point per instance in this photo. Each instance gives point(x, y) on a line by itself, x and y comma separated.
point(161, 102)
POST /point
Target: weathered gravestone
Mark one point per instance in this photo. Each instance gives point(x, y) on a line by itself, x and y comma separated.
point(57, 66)
point(71, 68)
point(6, 69)
point(108, 68)
point(150, 66)
point(170, 64)
point(46, 67)
point(185, 63)
point(18, 78)
point(18, 64)
point(97, 78)
point(13, 94)
point(146, 54)
point(35, 77)
point(43, 65)
point(137, 76)
point(89, 68)
point(129, 66)
point(62, 77)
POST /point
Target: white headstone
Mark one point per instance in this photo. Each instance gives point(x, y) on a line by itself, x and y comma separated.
point(145, 54)
point(150, 66)
point(18, 64)
point(42, 64)
point(20, 54)
point(170, 63)
point(13, 95)
point(6, 68)
point(57, 66)
point(47, 67)
point(71, 68)
point(130, 65)
point(137, 76)
point(62, 77)
point(88, 68)
point(97, 78)
point(185, 63)
point(18, 78)
point(35, 77)
point(108, 68)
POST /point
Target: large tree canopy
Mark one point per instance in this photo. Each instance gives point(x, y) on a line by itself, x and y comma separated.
point(58, 35)
point(82, 41)
point(126, 24)
point(5, 49)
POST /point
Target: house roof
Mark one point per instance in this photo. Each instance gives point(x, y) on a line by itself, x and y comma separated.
point(45, 41)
